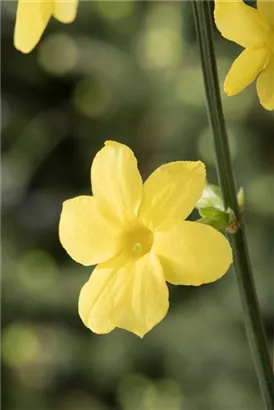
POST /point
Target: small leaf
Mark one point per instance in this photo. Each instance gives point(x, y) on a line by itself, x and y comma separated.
point(211, 198)
point(219, 224)
point(211, 212)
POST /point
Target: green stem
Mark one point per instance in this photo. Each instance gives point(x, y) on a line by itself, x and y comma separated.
point(253, 324)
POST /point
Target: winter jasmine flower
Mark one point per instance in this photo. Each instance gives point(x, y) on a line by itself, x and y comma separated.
point(137, 235)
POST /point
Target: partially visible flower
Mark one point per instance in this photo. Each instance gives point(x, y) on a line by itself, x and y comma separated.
point(32, 18)
point(137, 235)
point(252, 29)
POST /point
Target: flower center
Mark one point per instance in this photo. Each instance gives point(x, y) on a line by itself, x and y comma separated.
point(138, 241)
point(137, 247)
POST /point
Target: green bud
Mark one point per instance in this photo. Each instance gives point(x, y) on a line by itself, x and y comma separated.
point(212, 210)
point(211, 198)
point(241, 199)
point(220, 223)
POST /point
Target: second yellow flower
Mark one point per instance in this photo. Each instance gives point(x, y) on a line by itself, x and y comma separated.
point(32, 18)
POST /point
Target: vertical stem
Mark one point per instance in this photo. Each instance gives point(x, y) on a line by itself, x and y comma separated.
point(253, 324)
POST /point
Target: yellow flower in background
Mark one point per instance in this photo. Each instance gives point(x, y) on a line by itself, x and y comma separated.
point(137, 235)
point(32, 18)
point(252, 29)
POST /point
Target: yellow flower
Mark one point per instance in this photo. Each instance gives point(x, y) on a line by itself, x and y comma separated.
point(32, 18)
point(252, 29)
point(137, 235)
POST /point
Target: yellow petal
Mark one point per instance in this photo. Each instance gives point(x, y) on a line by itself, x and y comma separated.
point(265, 86)
point(31, 20)
point(86, 235)
point(192, 253)
point(65, 11)
point(143, 300)
point(116, 181)
point(240, 23)
point(95, 306)
point(245, 69)
point(266, 10)
point(133, 297)
point(172, 192)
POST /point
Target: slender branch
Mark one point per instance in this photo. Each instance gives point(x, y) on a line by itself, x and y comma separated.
point(253, 324)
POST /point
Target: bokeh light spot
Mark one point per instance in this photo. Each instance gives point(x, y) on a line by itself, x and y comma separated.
point(190, 87)
point(115, 10)
point(205, 145)
point(260, 194)
point(58, 54)
point(37, 269)
point(138, 392)
point(20, 344)
point(160, 45)
point(93, 98)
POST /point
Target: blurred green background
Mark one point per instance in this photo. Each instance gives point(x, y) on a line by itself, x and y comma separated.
point(127, 71)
